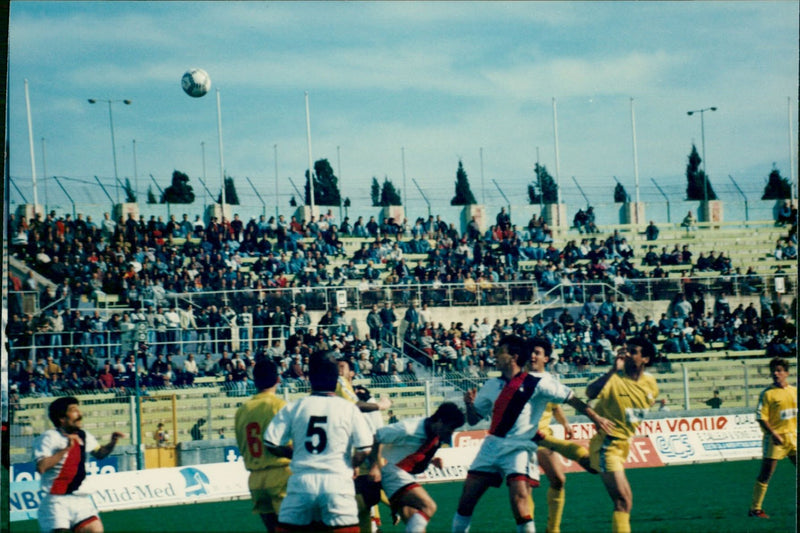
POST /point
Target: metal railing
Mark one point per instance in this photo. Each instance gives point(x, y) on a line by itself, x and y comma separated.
point(687, 385)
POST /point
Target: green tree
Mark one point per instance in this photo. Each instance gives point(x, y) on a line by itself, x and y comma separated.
point(326, 186)
point(620, 194)
point(180, 192)
point(777, 187)
point(389, 195)
point(231, 198)
point(463, 195)
point(375, 192)
point(130, 194)
point(696, 179)
point(544, 189)
point(151, 198)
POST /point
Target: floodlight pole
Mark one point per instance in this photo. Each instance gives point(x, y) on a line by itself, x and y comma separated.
point(221, 158)
point(30, 142)
point(703, 144)
point(310, 162)
point(277, 207)
point(113, 141)
point(635, 159)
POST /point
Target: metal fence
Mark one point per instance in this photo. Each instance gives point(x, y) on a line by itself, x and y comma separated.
point(206, 411)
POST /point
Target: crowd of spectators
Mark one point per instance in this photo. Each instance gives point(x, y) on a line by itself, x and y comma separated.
point(142, 262)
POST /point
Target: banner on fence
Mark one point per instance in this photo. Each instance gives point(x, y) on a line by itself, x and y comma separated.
point(661, 441)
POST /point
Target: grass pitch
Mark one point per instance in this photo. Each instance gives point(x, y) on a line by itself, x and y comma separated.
point(681, 499)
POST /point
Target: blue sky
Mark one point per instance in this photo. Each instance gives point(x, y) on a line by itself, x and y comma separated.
point(439, 81)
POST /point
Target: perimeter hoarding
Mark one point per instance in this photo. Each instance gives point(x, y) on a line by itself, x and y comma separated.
point(658, 442)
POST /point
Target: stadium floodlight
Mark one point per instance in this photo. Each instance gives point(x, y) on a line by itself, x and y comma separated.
point(703, 146)
point(113, 142)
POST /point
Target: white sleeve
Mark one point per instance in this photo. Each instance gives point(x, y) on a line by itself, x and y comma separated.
point(44, 446)
point(485, 398)
point(91, 443)
point(553, 389)
point(392, 433)
point(362, 436)
point(277, 432)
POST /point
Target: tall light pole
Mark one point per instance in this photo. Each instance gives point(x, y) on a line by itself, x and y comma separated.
point(113, 142)
point(703, 144)
point(135, 174)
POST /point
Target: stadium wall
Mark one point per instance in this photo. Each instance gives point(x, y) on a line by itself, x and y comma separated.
point(664, 439)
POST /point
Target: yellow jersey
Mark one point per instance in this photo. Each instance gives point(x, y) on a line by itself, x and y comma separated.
point(547, 417)
point(344, 389)
point(778, 407)
point(252, 418)
point(625, 402)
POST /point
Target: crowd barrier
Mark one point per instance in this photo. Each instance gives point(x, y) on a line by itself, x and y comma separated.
point(663, 439)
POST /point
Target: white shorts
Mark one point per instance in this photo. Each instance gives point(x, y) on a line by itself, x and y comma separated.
point(326, 498)
point(393, 479)
point(500, 459)
point(66, 511)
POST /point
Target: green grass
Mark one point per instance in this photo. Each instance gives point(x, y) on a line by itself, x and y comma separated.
point(694, 498)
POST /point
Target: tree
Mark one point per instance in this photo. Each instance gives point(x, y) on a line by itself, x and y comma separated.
point(697, 179)
point(180, 192)
point(463, 195)
point(326, 187)
point(130, 194)
point(375, 192)
point(777, 187)
point(620, 194)
point(151, 198)
point(544, 190)
point(231, 198)
point(389, 195)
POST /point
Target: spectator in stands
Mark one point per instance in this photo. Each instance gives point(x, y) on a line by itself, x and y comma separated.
point(715, 402)
point(388, 319)
point(784, 214)
point(652, 231)
point(106, 378)
point(689, 222)
point(789, 250)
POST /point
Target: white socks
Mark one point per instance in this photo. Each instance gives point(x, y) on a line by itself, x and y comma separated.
point(417, 523)
point(461, 523)
point(527, 527)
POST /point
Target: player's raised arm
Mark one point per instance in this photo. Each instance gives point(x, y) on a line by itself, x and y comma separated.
point(104, 451)
point(473, 416)
point(375, 461)
point(594, 388)
point(602, 423)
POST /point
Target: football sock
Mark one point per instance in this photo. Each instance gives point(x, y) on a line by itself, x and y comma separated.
point(526, 525)
point(461, 523)
point(759, 491)
point(555, 509)
point(417, 523)
point(620, 522)
point(570, 450)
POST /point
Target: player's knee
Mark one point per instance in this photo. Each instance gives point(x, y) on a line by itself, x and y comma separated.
point(624, 503)
point(428, 507)
point(558, 481)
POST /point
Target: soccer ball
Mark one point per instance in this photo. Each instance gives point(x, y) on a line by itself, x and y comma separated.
point(195, 82)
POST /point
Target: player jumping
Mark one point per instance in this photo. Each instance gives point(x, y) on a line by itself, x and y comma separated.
point(409, 447)
point(624, 394)
point(516, 401)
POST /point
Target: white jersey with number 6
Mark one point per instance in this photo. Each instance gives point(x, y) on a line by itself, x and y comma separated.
point(324, 429)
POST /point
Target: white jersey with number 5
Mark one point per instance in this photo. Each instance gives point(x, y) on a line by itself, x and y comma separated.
point(324, 429)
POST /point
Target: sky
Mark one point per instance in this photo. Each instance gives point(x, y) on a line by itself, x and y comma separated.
point(402, 91)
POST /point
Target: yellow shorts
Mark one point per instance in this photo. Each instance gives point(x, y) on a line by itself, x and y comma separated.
point(778, 452)
point(608, 454)
point(268, 488)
